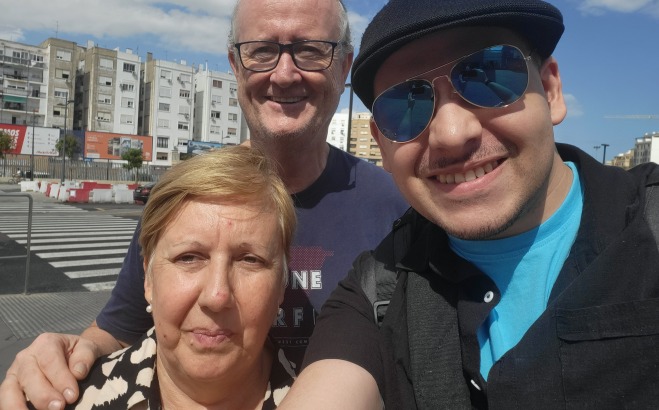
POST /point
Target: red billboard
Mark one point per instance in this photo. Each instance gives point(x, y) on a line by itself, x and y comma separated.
point(44, 139)
point(105, 145)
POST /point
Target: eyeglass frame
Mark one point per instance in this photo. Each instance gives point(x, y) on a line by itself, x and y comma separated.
point(289, 47)
point(527, 58)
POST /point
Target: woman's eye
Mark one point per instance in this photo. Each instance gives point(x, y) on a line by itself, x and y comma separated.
point(187, 258)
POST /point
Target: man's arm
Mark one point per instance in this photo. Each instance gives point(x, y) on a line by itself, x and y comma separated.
point(343, 364)
point(333, 384)
point(48, 370)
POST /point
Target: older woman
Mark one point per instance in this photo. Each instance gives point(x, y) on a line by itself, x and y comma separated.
point(215, 238)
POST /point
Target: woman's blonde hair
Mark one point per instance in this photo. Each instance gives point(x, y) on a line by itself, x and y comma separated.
point(237, 174)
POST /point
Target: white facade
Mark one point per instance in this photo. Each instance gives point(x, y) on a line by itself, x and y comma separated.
point(218, 117)
point(167, 107)
point(337, 133)
point(126, 92)
point(23, 84)
point(646, 149)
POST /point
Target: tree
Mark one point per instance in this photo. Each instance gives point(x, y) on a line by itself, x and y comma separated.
point(71, 148)
point(7, 143)
point(133, 157)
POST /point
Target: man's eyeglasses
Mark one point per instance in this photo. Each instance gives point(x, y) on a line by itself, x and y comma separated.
point(308, 55)
point(493, 77)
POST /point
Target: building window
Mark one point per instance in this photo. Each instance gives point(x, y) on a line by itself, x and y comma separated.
point(103, 80)
point(231, 132)
point(215, 129)
point(127, 102)
point(183, 126)
point(127, 87)
point(216, 99)
point(126, 119)
point(184, 94)
point(215, 114)
point(185, 78)
point(106, 63)
point(104, 99)
point(129, 68)
point(165, 92)
point(163, 123)
point(166, 74)
point(162, 142)
point(63, 74)
point(217, 84)
point(104, 117)
point(232, 89)
point(233, 117)
point(163, 107)
point(61, 94)
point(57, 112)
point(233, 102)
point(63, 55)
point(161, 156)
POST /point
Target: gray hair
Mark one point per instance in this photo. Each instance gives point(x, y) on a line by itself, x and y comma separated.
point(345, 41)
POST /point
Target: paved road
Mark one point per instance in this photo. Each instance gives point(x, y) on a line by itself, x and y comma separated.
point(73, 248)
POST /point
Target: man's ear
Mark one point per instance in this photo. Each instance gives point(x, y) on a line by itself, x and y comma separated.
point(375, 132)
point(551, 82)
point(232, 60)
point(347, 63)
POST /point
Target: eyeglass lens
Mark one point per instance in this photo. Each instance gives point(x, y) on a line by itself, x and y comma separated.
point(493, 77)
point(307, 55)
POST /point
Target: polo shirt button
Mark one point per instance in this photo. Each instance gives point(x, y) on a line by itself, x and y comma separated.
point(473, 382)
point(489, 295)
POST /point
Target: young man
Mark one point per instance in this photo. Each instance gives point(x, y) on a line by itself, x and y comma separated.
point(526, 274)
point(288, 92)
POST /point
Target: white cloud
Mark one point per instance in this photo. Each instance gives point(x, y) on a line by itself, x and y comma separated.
point(358, 24)
point(623, 6)
point(574, 108)
point(179, 25)
point(11, 34)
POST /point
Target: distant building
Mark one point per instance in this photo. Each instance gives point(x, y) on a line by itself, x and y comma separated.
point(92, 89)
point(337, 133)
point(646, 149)
point(623, 160)
point(362, 143)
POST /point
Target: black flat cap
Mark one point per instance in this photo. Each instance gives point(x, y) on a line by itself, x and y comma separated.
point(402, 21)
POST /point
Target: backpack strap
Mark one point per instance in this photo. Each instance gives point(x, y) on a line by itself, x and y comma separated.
point(378, 284)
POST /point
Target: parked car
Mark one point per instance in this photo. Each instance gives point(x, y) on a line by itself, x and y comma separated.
point(142, 192)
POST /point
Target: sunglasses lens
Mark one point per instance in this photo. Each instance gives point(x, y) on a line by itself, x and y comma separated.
point(493, 77)
point(403, 111)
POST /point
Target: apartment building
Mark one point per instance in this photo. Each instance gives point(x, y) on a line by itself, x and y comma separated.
point(107, 90)
point(362, 144)
point(36, 82)
point(623, 160)
point(218, 117)
point(646, 148)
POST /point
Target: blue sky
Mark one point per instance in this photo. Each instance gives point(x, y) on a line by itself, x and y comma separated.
point(608, 56)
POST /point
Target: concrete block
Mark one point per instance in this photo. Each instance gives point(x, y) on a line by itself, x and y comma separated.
point(123, 196)
point(101, 195)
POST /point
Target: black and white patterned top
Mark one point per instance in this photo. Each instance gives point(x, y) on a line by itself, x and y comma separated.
point(127, 379)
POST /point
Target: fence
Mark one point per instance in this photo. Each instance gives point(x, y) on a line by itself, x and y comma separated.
point(51, 168)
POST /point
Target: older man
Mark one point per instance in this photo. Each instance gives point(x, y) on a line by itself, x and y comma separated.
point(521, 280)
point(291, 59)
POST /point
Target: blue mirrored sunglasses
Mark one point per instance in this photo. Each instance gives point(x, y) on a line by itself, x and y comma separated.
point(493, 77)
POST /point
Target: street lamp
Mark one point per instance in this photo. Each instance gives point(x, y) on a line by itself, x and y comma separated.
point(604, 155)
point(66, 112)
point(349, 115)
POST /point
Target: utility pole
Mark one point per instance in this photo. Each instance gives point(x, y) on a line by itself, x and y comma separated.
point(604, 155)
point(66, 112)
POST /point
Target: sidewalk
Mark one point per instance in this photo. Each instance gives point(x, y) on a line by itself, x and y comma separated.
point(24, 317)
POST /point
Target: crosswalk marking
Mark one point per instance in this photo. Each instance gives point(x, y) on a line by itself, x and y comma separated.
point(86, 247)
